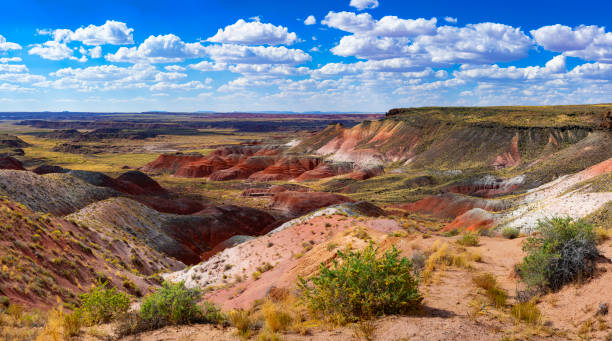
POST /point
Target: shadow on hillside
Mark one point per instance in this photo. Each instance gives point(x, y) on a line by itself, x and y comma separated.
point(435, 312)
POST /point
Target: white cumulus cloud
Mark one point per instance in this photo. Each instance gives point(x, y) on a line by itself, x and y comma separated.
point(241, 54)
point(363, 4)
point(52, 50)
point(6, 45)
point(450, 20)
point(158, 49)
point(586, 42)
point(254, 32)
point(111, 32)
point(9, 59)
point(387, 26)
point(310, 20)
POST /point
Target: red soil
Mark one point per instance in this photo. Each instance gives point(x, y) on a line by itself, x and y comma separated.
point(169, 163)
point(286, 168)
point(509, 158)
point(243, 169)
point(10, 163)
point(258, 162)
point(366, 173)
point(451, 205)
point(472, 220)
point(299, 203)
point(325, 170)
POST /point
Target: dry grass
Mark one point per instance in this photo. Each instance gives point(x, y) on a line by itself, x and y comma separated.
point(442, 256)
point(527, 312)
point(277, 317)
point(241, 320)
point(496, 295)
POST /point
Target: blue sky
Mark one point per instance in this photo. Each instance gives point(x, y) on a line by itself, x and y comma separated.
point(345, 55)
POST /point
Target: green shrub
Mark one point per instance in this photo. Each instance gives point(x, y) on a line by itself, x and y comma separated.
point(510, 232)
point(103, 304)
point(172, 304)
point(362, 286)
point(469, 239)
point(562, 252)
point(451, 233)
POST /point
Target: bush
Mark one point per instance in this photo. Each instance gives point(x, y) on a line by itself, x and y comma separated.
point(103, 304)
point(172, 304)
point(469, 239)
point(362, 286)
point(562, 252)
point(510, 232)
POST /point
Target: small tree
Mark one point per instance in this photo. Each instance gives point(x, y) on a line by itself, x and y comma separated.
point(362, 286)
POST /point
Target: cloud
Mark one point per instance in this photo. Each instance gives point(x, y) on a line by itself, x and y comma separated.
point(555, 66)
point(241, 54)
point(52, 50)
point(601, 71)
point(387, 26)
point(310, 20)
point(158, 49)
point(368, 47)
point(476, 44)
point(165, 86)
point(168, 76)
point(94, 52)
point(205, 66)
point(10, 59)
point(6, 46)
point(268, 69)
point(585, 42)
point(363, 4)
point(175, 68)
point(112, 33)
point(138, 72)
point(21, 78)
point(13, 88)
point(387, 65)
point(12, 68)
point(450, 20)
point(254, 33)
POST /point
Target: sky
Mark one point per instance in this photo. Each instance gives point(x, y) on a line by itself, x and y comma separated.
point(318, 55)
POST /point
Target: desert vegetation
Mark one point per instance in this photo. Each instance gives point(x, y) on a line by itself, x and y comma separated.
point(360, 286)
point(563, 251)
